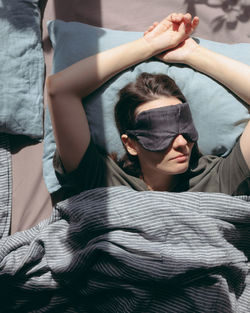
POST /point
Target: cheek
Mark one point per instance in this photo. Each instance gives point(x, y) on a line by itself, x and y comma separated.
point(191, 145)
point(151, 158)
point(160, 159)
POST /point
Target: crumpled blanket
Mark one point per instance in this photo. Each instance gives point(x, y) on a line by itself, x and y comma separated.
point(5, 185)
point(119, 250)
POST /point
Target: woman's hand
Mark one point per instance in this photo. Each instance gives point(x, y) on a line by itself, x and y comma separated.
point(179, 54)
point(170, 32)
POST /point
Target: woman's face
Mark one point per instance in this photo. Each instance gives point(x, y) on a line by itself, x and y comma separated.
point(171, 161)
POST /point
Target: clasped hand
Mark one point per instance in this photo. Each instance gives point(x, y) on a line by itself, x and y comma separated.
point(170, 39)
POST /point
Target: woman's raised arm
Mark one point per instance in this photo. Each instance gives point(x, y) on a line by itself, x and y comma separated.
point(67, 88)
point(231, 73)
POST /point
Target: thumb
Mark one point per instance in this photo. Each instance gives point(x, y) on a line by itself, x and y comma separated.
point(182, 30)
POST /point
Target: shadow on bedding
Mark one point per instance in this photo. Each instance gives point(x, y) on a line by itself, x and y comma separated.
point(228, 13)
point(66, 11)
point(88, 11)
point(146, 254)
point(22, 16)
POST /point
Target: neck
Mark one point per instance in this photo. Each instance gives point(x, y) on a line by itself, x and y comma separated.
point(160, 183)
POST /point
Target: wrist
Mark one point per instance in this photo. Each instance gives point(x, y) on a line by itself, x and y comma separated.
point(150, 50)
point(195, 56)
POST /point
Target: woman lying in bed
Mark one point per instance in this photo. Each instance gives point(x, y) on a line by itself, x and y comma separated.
point(152, 116)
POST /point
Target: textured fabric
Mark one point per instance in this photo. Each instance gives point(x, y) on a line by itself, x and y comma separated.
point(5, 185)
point(119, 250)
point(156, 128)
point(22, 68)
point(95, 170)
point(229, 175)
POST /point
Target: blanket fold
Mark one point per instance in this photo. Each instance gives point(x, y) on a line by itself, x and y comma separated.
point(119, 250)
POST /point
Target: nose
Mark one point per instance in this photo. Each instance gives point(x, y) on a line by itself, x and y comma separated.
point(179, 141)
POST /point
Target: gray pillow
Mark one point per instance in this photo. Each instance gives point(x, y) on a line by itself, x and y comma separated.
point(218, 115)
point(22, 68)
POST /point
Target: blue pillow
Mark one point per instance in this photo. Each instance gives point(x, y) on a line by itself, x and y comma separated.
point(22, 68)
point(219, 116)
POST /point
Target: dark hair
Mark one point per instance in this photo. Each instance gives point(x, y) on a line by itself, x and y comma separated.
point(147, 87)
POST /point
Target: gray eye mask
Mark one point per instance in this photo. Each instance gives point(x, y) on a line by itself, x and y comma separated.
point(155, 129)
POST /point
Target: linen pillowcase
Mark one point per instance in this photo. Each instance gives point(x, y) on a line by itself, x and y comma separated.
point(22, 68)
point(219, 116)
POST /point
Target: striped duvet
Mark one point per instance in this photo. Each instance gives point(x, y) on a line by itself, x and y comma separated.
point(119, 250)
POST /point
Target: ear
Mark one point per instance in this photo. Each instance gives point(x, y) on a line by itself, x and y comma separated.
point(129, 144)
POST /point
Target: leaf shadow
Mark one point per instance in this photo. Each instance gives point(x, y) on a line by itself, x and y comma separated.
point(233, 12)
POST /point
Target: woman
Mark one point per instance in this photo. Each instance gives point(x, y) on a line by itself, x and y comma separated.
point(165, 166)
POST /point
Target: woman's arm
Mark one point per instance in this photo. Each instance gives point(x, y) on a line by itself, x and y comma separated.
point(67, 88)
point(231, 73)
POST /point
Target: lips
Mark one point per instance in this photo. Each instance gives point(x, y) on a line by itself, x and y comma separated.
point(180, 157)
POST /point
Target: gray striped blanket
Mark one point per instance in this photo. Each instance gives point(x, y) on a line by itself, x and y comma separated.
point(118, 250)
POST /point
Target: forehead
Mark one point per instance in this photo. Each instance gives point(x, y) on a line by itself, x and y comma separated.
point(160, 102)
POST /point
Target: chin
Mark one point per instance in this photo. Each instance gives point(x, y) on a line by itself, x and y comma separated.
point(174, 171)
point(182, 172)
point(180, 169)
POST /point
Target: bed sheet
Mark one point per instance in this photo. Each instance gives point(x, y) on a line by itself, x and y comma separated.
point(220, 20)
point(119, 250)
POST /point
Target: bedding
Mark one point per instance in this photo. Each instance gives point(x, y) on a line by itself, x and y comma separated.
point(22, 76)
point(209, 101)
point(22, 68)
point(5, 185)
point(119, 250)
point(110, 250)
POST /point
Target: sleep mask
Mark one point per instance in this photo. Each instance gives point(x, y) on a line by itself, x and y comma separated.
point(155, 129)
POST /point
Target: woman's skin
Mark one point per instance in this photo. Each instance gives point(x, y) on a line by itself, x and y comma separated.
point(168, 40)
point(160, 168)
